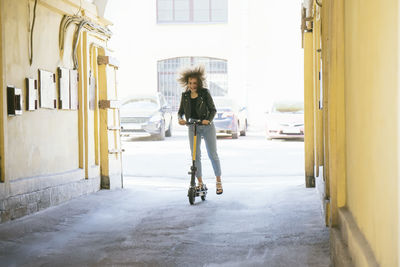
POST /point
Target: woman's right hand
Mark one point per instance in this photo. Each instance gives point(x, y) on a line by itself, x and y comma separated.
point(182, 122)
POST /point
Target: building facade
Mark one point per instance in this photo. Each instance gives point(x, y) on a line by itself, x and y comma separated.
point(56, 141)
point(228, 36)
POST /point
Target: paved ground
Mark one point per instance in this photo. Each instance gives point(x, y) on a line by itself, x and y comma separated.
point(266, 217)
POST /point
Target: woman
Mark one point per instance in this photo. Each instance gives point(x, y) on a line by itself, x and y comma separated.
point(197, 103)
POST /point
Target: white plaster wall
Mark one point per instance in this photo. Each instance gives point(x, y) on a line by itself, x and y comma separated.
point(261, 41)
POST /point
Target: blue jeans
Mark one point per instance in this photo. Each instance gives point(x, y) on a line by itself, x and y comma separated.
point(207, 132)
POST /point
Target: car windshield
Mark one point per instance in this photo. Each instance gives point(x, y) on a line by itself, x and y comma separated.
point(223, 103)
point(141, 104)
point(288, 107)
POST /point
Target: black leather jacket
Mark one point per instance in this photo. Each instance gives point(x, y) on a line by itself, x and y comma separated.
point(205, 105)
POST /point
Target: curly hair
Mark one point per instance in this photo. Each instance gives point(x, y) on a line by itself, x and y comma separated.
point(197, 72)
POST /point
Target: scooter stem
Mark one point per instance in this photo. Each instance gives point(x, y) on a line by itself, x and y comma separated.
point(194, 144)
point(193, 169)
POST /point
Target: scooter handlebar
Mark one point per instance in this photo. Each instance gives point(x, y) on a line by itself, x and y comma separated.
point(193, 121)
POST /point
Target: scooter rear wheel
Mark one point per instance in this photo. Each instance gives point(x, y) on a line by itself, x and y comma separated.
point(191, 195)
point(203, 198)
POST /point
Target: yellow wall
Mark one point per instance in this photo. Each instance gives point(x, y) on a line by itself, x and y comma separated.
point(360, 72)
point(1, 98)
point(51, 155)
point(371, 94)
point(36, 140)
point(42, 142)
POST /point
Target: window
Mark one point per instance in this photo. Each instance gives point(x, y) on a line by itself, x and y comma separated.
point(192, 11)
point(216, 75)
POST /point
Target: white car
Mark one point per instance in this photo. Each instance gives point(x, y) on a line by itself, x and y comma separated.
point(285, 120)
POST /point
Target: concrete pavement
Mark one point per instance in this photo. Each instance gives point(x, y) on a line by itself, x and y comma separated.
point(258, 221)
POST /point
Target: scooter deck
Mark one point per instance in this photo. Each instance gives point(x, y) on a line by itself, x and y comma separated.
point(201, 193)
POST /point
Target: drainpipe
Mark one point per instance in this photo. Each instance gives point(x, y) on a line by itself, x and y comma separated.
point(307, 44)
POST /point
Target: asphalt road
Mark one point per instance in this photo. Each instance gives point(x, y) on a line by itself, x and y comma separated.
point(250, 155)
point(266, 216)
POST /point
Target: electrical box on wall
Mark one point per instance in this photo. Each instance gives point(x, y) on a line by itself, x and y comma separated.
point(64, 91)
point(31, 94)
point(14, 101)
point(48, 91)
point(73, 89)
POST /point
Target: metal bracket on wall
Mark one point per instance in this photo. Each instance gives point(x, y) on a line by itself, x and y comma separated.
point(115, 151)
point(114, 128)
point(304, 27)
point(107, 60)
point(113, 104)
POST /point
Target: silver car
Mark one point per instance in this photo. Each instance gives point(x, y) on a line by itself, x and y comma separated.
point(146, 114)
point(230, 118)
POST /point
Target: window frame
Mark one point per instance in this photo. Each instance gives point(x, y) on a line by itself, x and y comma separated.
point(170, 67)
point(191, 14)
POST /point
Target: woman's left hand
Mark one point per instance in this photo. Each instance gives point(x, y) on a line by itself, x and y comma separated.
point(205, 122)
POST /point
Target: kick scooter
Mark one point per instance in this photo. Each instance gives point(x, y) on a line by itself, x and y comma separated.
point(194, 192)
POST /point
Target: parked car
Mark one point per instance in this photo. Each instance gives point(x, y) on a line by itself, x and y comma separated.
point(146, 114)
point(230, 119)
point(285, 120)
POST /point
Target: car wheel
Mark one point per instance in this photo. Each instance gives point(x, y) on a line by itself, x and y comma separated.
point(168, 133)
point(235, 135)
point(161, 135)
point(243, 133)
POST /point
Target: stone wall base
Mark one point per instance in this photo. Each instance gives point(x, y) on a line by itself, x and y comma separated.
point(348, 245)
point(19, 205)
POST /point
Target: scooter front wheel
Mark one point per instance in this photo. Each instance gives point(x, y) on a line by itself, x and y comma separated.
point(191, 195)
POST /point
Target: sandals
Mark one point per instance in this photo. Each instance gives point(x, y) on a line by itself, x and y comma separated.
point(201, 187)
point(219, 189)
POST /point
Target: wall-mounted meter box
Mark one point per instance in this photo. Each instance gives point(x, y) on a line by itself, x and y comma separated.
point(63, 85)
point(31, 94)
point(14, 101)
point(47, 90)
point(73, 89)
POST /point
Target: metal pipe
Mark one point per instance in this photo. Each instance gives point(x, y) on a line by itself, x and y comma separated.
point(32, 28)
